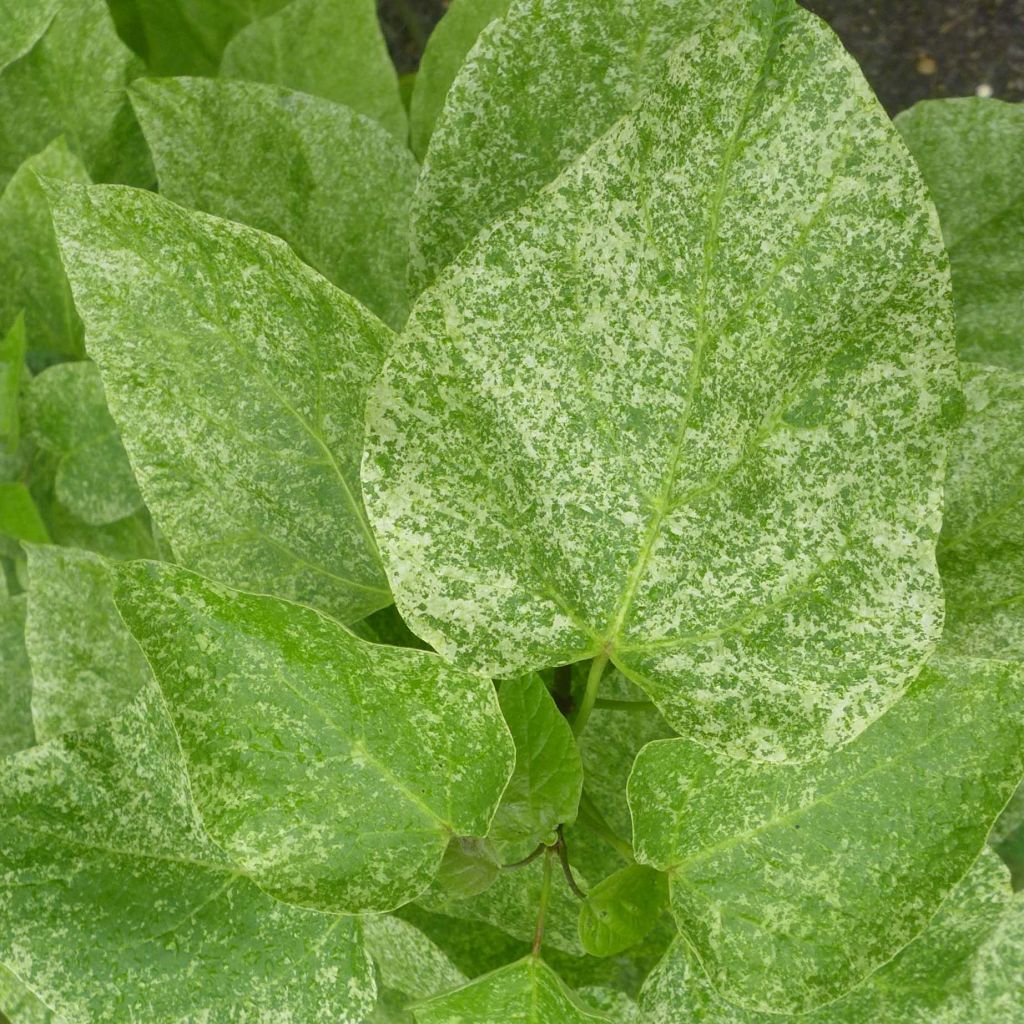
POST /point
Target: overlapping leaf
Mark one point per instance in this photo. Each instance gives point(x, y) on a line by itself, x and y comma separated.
point(407, 960)
point(971, 152)
point(333, 771)
point(332, 184)
point(621, 909)
point(328, 48)
point(236, 376)
point(19, 1006)
point(114, 905)
point(794, 882)
point(740, 298)
point(16, 731)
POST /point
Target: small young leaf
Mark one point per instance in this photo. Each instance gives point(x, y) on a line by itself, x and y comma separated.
point(622, 909)
point(31, 273)
point(793, 883)
point(444, 55)
point(965, 968)
point(115, 906)
point(329, 48)
point(469, 866)
point(85, 665)
point(737, 493)
point(237, 377)
point(16, 731)
point(545, 787)
point(67, 414)
point(981, 549)
point(72, 82)
point(12, 365)
point(332, 771)
point(407, 960)
point(971, 152)
point(526, 992)
point(230, 149)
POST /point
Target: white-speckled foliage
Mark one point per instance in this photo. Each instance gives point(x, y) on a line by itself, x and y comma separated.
point(740, 299)
point(635, 636)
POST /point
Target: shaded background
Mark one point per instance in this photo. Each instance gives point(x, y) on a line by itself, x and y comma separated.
point(909, 49)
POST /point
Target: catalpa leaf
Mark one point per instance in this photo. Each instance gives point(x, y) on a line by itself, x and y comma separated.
point(85, 665)
point(622, 909)
point(115, 906)
point(67, 415)
point(443, 56)
point(407, 960)
point(540, 85)
point(332, 184)
point(236, 376)
point(15, 680)
point(545, 787)
point(30, 268)
point(332, 771)
point(792, 883)
point(981, 549)
point(12, 365)
point(526, 992)
point(72, 82)
point(328, 48)
point(971, 152)
point(736, 495)
point(18, 1005)
point(948, 975)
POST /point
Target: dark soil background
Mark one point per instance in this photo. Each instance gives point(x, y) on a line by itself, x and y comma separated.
point(910, 50)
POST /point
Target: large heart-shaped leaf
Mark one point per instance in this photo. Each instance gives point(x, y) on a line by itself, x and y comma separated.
point(332, 770)
point(237, 377)
point(685, 408)
point(115, 905)
point(792, 883)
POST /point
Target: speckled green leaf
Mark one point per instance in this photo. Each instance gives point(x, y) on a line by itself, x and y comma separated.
point(539, 87)
point(794, 882)
point(236, 376)
point(19, 516)
point(526, 992)
point(72, 82)
point(67, 415)
point(18, 1004)
point(85, 665)
point(31, 275)
point(971, 152)
point(115, 906)
point(445, 52)
point(981, 550)
point(24, 22)
point(545, 787)
point(740, 298)
point(332, 184)
point(965, 968)
point(16, 732)
point(12, 365)
point(333, 771)
point(329, 48)
point(407, 960)
point(621, 909)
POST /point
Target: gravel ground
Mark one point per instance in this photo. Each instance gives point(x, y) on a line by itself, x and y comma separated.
point(909, 49)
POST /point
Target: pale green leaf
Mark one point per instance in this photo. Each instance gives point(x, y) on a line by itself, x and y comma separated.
point(333, 771)
point(971, 152)
point(444, 55)
point(19, 1005)
point(85, 664)
point(965, 968)
point(545, 787)
point(19, 516)
point(329, 48)
point(981, 550)
point(236, 376)
point(24, 22)
point(794, 882)
point(72, 82)
point(620, 910)
point(67, 415)
point(526, 992)
point(407, 960)
point(469, 866)
point(12, 365)
point(335, 186)
point(741, 299)
point(115, 906)
point(30, 269)
point(16, 732)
